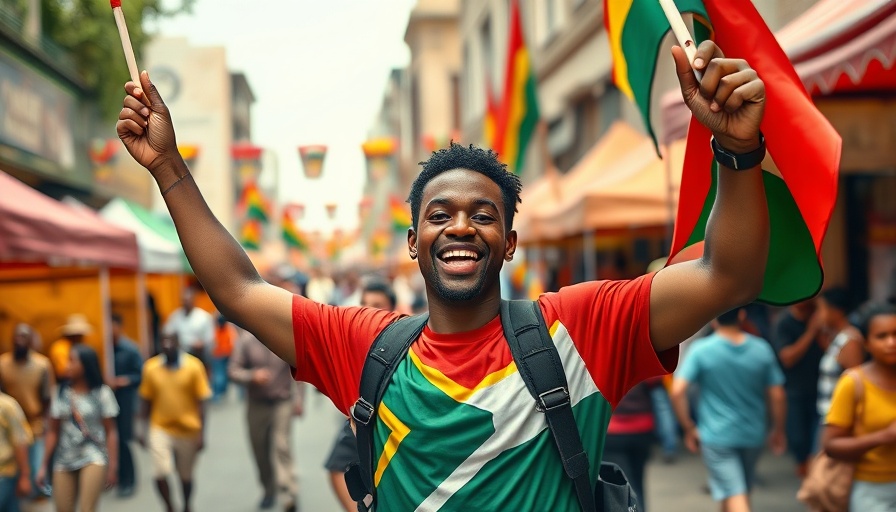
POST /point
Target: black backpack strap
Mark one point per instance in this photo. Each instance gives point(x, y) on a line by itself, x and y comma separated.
point(387, 350)
point(540, 367)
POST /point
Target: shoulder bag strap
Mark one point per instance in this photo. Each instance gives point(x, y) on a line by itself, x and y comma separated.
point(387, 350)
point(540, 367)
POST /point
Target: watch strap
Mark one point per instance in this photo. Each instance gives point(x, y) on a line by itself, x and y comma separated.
point(739, 161)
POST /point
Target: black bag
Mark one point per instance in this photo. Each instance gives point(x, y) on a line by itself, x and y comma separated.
point(540, 367)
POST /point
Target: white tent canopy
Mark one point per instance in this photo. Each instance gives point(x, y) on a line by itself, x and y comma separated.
point(157, 253)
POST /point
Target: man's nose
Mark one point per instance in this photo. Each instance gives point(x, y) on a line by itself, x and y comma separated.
point(461, 225)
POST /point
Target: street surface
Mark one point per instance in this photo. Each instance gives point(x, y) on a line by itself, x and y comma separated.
point(226, 478)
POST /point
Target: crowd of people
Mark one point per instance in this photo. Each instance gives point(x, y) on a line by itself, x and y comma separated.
point(66, 429)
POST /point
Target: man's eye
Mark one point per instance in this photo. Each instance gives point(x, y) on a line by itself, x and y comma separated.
point(483, 218)
point(438, 216)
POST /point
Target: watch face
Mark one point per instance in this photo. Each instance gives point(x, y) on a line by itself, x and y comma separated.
point(167, 82)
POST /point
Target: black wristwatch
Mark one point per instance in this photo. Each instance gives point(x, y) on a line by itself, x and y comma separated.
point(742, 161)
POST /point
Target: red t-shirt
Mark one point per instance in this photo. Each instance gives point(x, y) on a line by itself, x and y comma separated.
point(459, 395)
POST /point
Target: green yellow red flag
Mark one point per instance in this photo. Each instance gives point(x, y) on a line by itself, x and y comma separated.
point(802, 144)
point(509, 125)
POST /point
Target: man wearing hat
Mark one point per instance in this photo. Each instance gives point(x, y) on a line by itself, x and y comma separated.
point(73, 332)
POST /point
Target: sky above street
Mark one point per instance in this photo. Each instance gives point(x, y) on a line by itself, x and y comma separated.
point(318, 70)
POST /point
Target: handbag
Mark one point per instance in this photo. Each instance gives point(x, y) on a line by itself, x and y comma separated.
point(828, 483)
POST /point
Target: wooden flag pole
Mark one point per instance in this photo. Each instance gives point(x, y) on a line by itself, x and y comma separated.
point(682, 34)
point(125, 41)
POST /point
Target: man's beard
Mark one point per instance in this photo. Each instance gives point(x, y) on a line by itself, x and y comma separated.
point(453, 295)
point(20, 353)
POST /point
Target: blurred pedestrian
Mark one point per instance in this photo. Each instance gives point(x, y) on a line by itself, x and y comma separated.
point(845, 350)
point(27, 376)
point(740, 382)
point(799, 344)
point(82, 436)
point(195, 328)
point(73, 332)
point(128, 373)
point(864, 432)
point(273, 398)
point(15, 436)
point(225, 339)
point(630, 435)
point(320, 287)
point(174, 389)
point(375, 294)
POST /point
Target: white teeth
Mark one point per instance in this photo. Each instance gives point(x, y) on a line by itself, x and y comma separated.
point(460, 254)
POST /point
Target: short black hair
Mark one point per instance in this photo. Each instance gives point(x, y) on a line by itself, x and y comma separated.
point(380, 286)
point(873, 310)
point(838, 298)
point(729, 318)
point(483, 161)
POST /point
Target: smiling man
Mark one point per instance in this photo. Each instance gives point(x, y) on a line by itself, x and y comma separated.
point(456, 428)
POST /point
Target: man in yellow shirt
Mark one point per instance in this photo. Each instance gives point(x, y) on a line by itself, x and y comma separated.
point(28, 378)
point(174, 389)
point(73, 332)
point(15, 436)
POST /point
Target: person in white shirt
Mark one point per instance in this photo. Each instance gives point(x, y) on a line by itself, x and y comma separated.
point(320, 287)
point(195, 327)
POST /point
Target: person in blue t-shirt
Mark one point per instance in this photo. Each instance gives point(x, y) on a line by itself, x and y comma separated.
point(739, 382)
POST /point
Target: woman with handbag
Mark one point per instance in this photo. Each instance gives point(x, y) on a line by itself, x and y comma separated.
point(82, 433)
point(868, 437)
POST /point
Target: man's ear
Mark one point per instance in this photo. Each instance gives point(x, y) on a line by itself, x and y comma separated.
point(412, 243)
point(510, 245)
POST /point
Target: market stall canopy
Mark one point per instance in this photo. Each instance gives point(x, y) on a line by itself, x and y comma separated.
point(37, 228)
point(836, 46)
point(637, 190)
point(158, 252)
point(552, 192)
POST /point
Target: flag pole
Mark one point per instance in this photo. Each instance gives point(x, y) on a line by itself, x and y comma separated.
point(680, 29)
point(125, 41)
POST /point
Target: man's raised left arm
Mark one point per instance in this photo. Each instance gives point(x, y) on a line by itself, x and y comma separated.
point(730, 101)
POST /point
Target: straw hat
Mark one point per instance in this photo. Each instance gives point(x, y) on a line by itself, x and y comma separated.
point(75, 325)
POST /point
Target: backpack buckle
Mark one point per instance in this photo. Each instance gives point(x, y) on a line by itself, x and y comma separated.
point(362, 411)
point(552, 399)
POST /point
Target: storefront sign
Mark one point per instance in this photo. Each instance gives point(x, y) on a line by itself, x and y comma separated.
point(38, 119)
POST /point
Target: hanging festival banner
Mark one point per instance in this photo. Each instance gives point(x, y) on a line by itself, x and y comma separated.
point(379, 244)
point(292, 235)
point(399, 214)
point(253, 204)
point(102, 152)
point(296, 210)
point(313, 159)
point(250, 234)
point(246, 161)
point(335, 245)
point(380, 154)
point(365, 207)
point(331, 210)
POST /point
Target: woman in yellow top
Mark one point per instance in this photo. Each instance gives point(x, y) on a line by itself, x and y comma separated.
point(870, 439)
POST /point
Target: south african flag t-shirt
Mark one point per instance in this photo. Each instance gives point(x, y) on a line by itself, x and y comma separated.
point(457, 429)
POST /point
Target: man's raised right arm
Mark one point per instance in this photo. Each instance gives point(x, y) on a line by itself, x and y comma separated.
point(221, 265)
